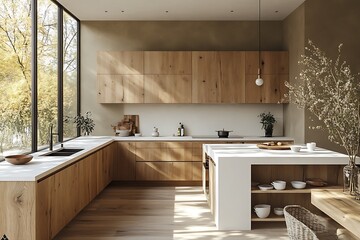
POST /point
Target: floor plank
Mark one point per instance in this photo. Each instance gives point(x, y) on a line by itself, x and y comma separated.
point(159, 213)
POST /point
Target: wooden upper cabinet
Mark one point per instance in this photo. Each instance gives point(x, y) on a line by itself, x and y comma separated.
point(167, 62)
point(120, 88)
point(274, 72)
point(232, 77)
point(120, 62)
point(218, 77)
point(167, 88)
point(205, 77)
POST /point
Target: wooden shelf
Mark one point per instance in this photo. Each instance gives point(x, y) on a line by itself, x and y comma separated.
point(271, 218)
point(293, 190)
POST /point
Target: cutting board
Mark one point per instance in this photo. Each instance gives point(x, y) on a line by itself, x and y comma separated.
point(276, 147)
point(129, 122)
point(135, 120)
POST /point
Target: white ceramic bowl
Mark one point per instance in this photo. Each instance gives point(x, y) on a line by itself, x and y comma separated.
point(295, 148)
point(138, 135)
point(265, 187)
point(262, 210)
point(279, 185)
point(279, 211)
point(298, 184)
point(123, 133)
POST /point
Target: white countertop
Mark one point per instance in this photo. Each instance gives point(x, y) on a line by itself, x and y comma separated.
point(263, 156)
point(203, 139)
point(42, 166)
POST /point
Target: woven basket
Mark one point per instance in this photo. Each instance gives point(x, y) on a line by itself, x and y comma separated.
point(301, 224)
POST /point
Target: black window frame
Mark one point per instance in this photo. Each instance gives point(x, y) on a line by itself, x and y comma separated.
point(34, 72)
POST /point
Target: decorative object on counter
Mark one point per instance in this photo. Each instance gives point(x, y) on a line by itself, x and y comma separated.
point(223, 133)
point(181, 130)
point(316, 182)
point(262, 210)
point(311, 146)
point(18, 159)
point(138, 134)
point(295, 148)
point(274, 146)
point(259, 81)
point(267, 120)
point(130, 123)
point(330, 91)
point(298, 184)
point(84, 122)
point(279, 185)
point(155, 132)
point(123, 133)
point(264, 187)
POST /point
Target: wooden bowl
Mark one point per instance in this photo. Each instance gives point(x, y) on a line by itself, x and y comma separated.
point(18, 159)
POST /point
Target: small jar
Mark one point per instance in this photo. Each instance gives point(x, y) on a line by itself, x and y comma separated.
point(155, 132)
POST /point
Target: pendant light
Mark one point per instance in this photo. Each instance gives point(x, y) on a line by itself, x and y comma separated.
point(259, 81)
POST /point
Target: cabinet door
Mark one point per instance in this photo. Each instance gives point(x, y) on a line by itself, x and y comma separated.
point(104, 160)
point(167, 62)
point(124, 162)
point(206, 77)
point(167, 88)
point(64, 198)
point(274, 72)
point(232, 77)
point(218, 77)
point(120, 63)
point(120, 88)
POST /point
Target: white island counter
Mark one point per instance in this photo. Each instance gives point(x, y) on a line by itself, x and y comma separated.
point(233, 166)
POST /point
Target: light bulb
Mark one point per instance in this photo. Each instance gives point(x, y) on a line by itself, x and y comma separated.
point(259, 81)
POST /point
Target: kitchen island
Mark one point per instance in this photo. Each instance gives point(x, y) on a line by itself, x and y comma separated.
point(234, 167)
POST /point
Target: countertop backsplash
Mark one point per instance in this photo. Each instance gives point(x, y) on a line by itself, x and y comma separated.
point(204, 119)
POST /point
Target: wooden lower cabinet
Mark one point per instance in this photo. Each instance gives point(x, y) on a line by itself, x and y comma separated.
point(124, 161)
point(61, 196)
point(167, 161)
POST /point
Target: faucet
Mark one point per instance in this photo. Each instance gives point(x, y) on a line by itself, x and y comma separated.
point(51, 137)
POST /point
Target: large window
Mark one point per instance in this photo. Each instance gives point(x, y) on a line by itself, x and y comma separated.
point(47, 62)
point(70, 73)
point(15, 76)
point(32, 101)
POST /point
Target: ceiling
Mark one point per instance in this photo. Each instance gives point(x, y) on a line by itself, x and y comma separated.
point(180, 10)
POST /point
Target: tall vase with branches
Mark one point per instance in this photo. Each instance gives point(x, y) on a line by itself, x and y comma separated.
point(331, 92)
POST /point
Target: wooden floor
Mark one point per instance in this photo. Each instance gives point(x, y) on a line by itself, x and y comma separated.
point(136, 213)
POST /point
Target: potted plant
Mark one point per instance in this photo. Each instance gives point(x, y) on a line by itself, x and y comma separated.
point(267, 120)
point(84, 122)
point(331, 93)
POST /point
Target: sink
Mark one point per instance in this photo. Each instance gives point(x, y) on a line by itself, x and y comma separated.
point(63, 152)
point(70, 150)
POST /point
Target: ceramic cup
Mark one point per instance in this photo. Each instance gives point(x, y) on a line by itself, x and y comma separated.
point(262, 210)
point(279, 185)
point(311, 146)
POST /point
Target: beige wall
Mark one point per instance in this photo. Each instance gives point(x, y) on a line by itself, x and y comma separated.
point(329, 23)
point(98, 36)
point(294, 42)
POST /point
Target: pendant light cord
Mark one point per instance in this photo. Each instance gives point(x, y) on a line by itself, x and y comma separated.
point(259, 43)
